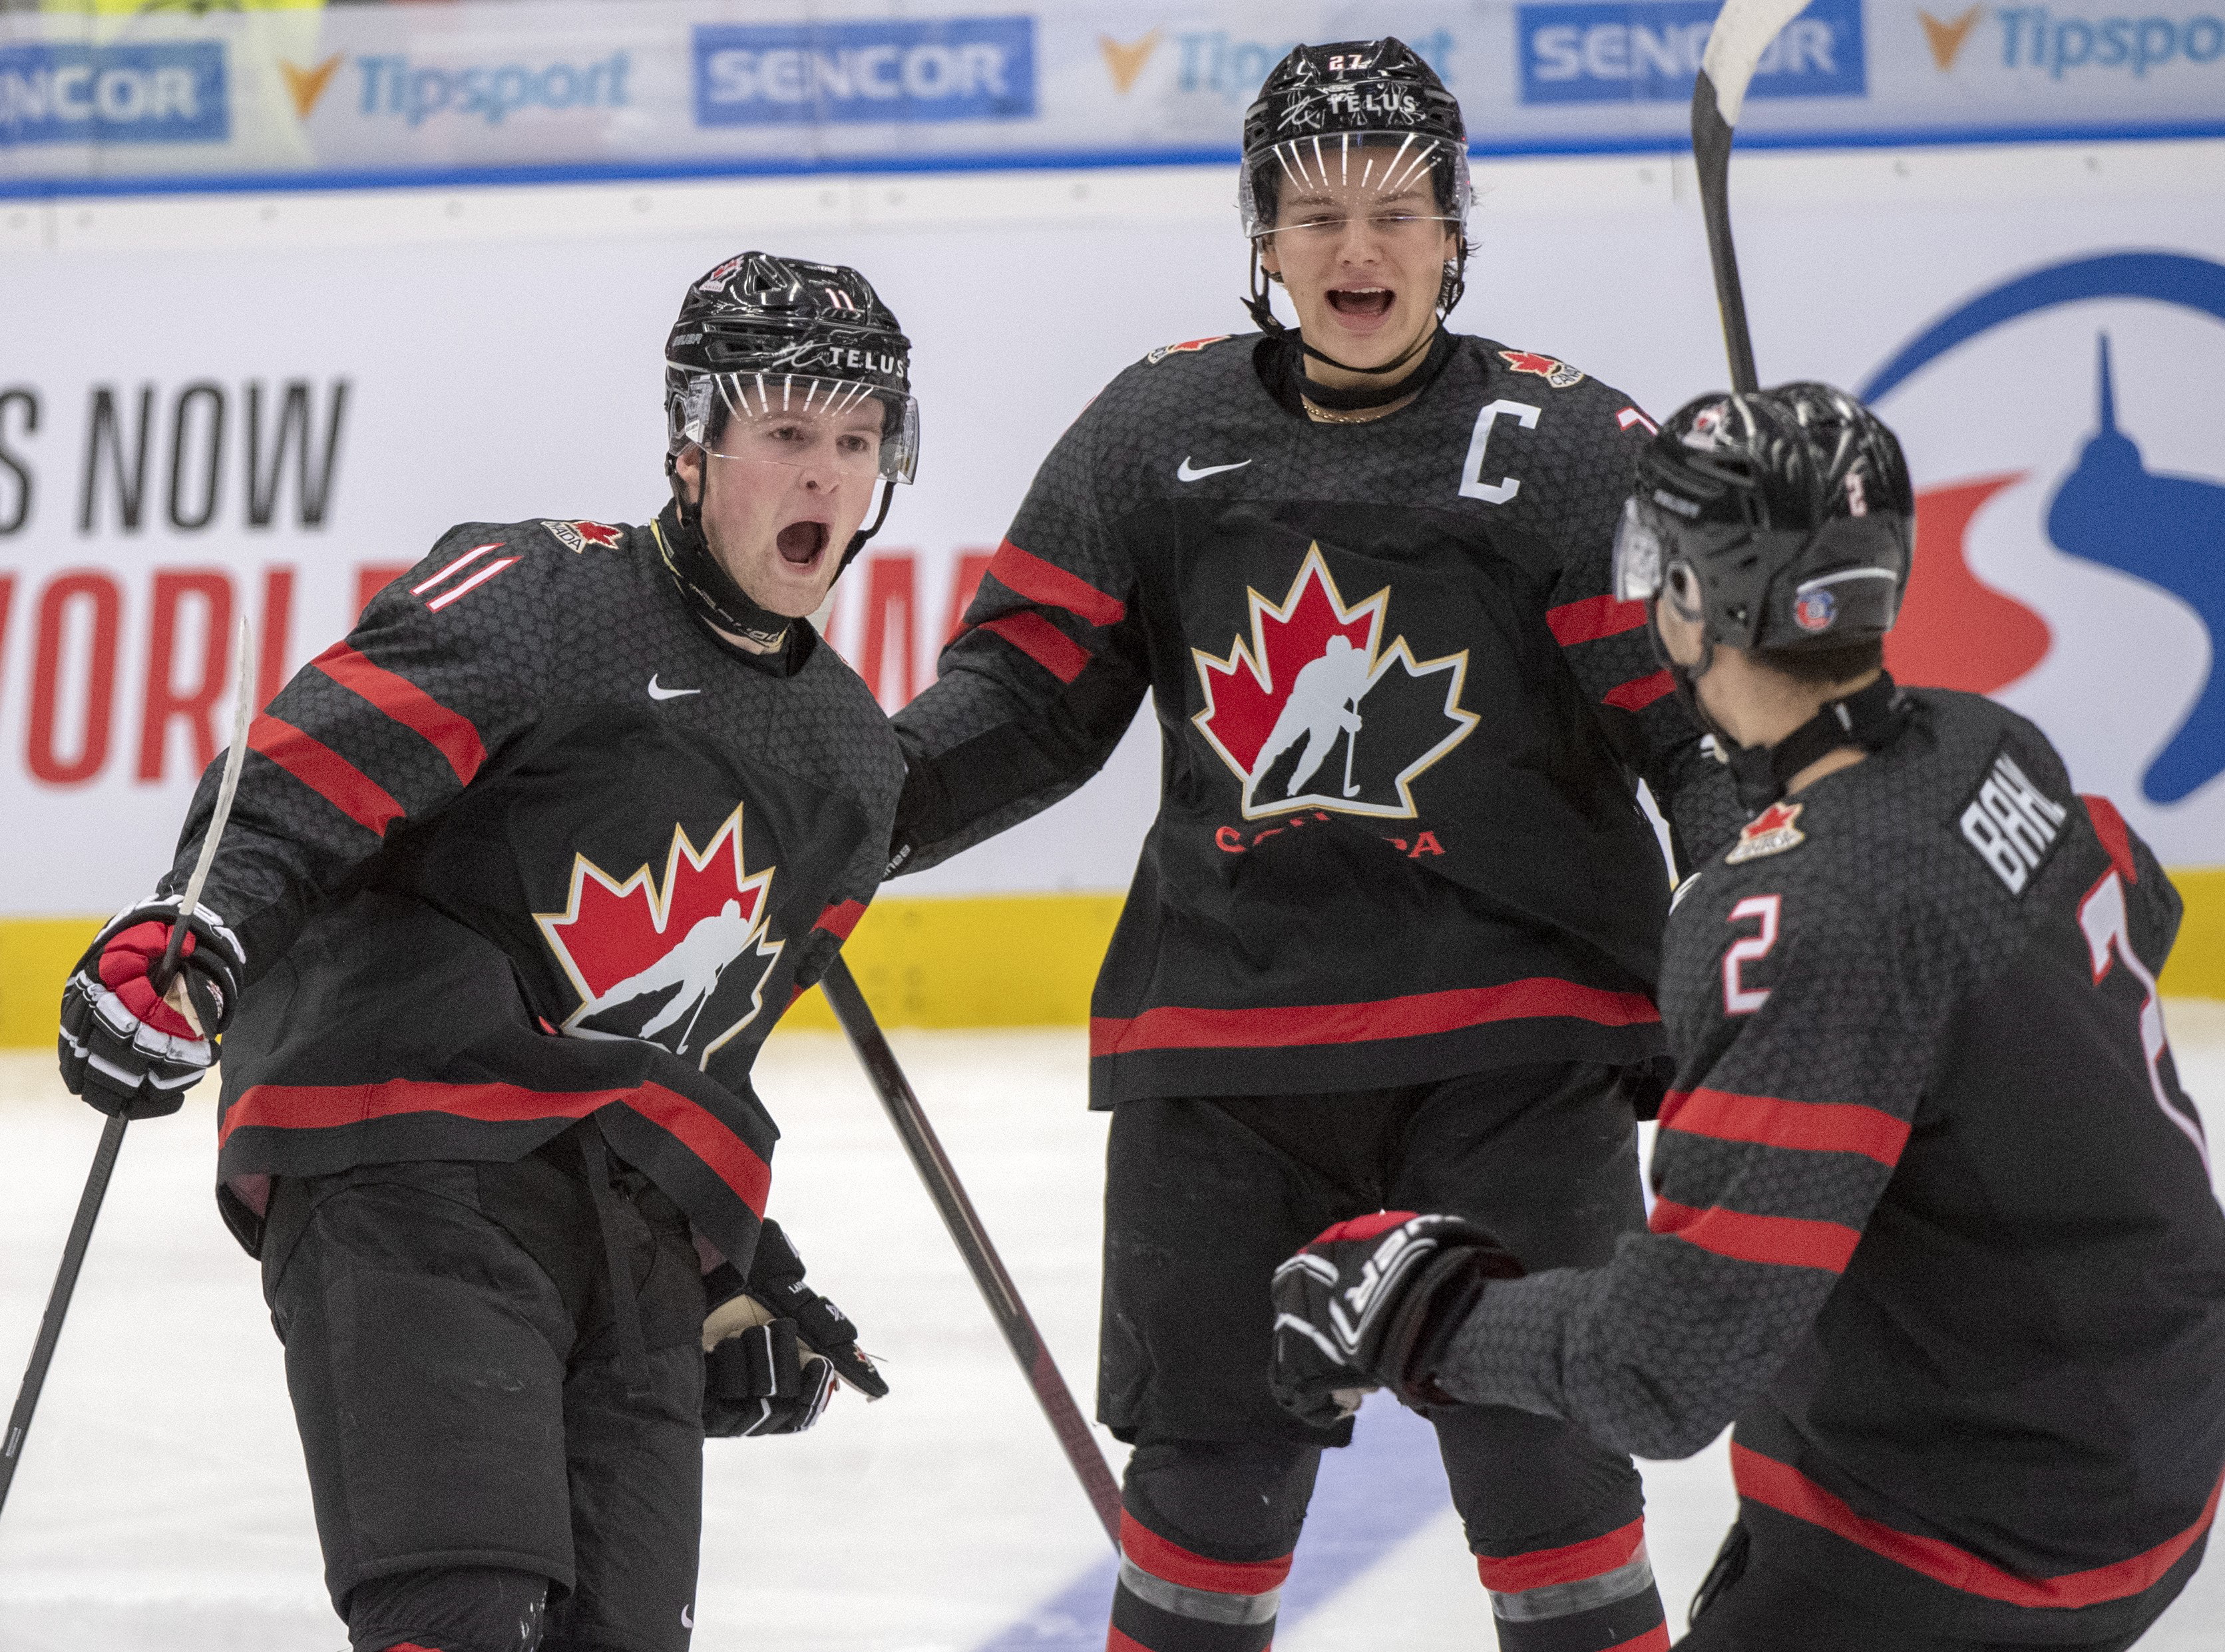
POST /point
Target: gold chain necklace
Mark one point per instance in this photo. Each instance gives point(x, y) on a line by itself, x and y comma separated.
point(1324, 417)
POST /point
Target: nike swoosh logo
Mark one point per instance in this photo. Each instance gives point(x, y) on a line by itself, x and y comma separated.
point(1186, 471)
point(655, 693)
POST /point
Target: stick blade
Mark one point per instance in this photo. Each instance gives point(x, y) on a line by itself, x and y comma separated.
point(1742, 33)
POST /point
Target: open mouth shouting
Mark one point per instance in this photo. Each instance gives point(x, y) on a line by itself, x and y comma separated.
point(1360, 308)
point(801, 544)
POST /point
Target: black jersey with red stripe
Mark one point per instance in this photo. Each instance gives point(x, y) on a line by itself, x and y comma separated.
point(532, 843)
point(1402, 716)
point(1934, 1219)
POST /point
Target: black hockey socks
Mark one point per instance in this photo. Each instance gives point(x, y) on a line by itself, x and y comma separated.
point(1206, 1538)
point(1594, 1596)
point(1173, 1600)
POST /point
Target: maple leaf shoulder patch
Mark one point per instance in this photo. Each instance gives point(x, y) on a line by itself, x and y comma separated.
point(577, 536)
point(1186, 347)
point(1555, 372)
point(1769, 832)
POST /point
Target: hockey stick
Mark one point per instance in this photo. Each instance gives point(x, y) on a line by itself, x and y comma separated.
point(112, 1135)
point(1742, 33)
point(1351, 740)
point(972, 1241)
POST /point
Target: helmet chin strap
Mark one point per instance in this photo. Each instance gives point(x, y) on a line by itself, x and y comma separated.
point(711, 590)
point(1261, 310)
point(1870, 718)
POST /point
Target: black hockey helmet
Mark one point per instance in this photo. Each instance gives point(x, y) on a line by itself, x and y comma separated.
point(765, 335)
point(1780, 519)
point(768, 333)
point(1365, 113)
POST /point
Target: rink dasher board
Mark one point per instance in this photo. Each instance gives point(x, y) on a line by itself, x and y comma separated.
point(1851, 255)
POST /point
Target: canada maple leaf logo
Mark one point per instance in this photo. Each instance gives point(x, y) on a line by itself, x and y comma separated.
point(1279, 708)
point(577, 536)
point(681, 963)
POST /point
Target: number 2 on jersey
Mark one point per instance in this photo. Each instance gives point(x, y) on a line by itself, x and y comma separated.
point(2109, 941)
point(1739, 998)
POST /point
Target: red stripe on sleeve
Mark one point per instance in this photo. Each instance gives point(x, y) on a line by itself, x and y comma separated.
point(1785, 1489)
point(1045, 582)
point(1808, 1126)
point(1783, 1241)
point(1654, 1640)
point(840, 920)
point(1593, 617)
point(449, 732)
point(1156, 1555)
point(1636, 696)
point(1041, 642)
point(325, 772)
point(1570, 1563)
point(1416, 1015)
point(2109, 827)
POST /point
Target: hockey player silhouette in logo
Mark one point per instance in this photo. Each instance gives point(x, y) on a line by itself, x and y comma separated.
point(1324, 702)
point(2169, 531)
point(693, 966)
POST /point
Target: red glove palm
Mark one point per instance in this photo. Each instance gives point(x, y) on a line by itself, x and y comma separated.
point(123, 1047)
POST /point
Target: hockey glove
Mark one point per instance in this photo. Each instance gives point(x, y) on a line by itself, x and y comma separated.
point(774, 1346)
point(1374, 1302)
point(125, 1049)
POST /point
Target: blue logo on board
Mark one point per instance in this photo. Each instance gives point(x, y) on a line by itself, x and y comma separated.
point(157, 92)
point(2110, 507)
point(2170, 531)
point(937, 69)
point(1598, 52)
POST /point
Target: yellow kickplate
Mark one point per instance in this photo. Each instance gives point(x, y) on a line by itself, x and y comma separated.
point(995, 960)
point(984, 960)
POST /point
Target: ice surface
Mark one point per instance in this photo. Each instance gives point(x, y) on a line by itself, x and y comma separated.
point(160, 1506)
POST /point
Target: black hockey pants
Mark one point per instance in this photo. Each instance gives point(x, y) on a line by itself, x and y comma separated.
point(1204, 1198)
point(481, 1441)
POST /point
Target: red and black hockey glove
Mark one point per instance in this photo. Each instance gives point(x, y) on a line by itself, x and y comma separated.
point(123, 1048)
point(1374, 1302)
point(773, 1347)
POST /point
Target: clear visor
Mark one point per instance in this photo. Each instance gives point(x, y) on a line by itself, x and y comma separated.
point(848, 428)
point(1638, 552)
point(1321, 188)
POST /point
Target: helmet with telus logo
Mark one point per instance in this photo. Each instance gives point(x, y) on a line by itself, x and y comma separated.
point(1358, 118)
point(766, 337)
point(762, 331)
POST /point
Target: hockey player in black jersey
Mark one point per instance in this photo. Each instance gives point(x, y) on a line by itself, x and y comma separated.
point(1393, 935)
point(1934, 1219)
point(519, 876)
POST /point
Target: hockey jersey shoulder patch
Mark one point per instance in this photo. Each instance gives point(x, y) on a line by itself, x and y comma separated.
point(1772, 831)
point(1187, 347)
point(1556, 373)
point(577, 536)
point(2011, 824)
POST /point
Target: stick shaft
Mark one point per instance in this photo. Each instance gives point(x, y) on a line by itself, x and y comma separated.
point(972, 1241)
point(1711, 154)
point(58, 1301)
point(166, 968)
